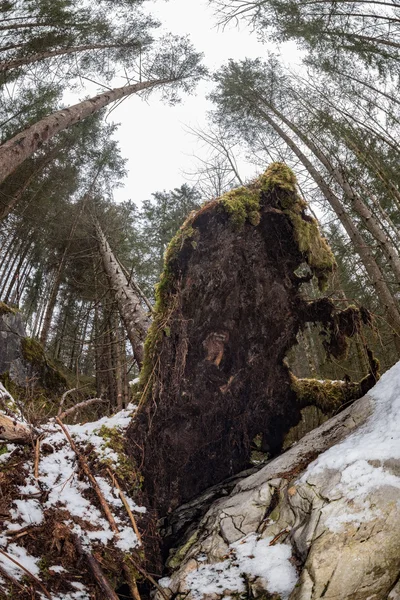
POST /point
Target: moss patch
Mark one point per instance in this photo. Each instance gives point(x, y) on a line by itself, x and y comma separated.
point(328, 396)
point(242, 204)
point(49, 376)
point(314, 247)
point(176, 557)
point(7, 310)
point(124, 470)
point(279, 176)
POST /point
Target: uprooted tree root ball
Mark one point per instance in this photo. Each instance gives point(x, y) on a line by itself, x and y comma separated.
point(229, 307)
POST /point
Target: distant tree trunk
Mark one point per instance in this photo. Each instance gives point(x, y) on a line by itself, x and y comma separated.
point(12, 266)
point(118, 362)
point(7, 206)
point(134, 317)
point(51, 304)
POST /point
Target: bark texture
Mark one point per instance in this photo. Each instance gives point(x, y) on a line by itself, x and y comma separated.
point(17, 149)
point(135, 318)
point(228, 310)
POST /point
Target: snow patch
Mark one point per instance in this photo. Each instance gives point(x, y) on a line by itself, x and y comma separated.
point(253, 557)
point(26, 560)
point(360, 458)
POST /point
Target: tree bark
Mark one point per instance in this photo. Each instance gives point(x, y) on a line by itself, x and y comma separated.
point(135, 318)
point(17, 149)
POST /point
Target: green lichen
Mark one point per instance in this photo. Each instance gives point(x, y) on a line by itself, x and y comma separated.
point(3, 449)
point(176, 558)
point(7, 310)
point(124, 469)
point(242, 204)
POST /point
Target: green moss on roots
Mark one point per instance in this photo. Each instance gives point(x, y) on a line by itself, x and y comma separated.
point(328, 396)
point(242, 205)
point(314, 247)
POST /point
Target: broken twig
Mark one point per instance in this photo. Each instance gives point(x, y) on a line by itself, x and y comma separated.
point(14, 581)
point(80, 405)
point(101, 579)
point(149, 578)
point(37, 457)
point(127, 507)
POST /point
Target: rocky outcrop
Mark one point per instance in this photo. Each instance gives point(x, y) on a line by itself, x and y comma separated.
point(12, 331)
point(23, 361)
point(320, 521)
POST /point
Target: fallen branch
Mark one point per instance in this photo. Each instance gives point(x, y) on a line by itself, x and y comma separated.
point(85, 468)
point(127, 507)
point(130, 578)
point(37, 458)
point(149, 578)
point(14, 581)
point(101, 579)
point(35, 579)
point(80, 405)
point(65, 394)
point(14, 431)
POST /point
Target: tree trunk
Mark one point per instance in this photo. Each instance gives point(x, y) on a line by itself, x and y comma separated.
point(135, 318)
point(19, 62)
point(359, 206)
point(7, 206)
point(24, 144)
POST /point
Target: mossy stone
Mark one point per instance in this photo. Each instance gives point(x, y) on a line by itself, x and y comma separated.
point(7, 310)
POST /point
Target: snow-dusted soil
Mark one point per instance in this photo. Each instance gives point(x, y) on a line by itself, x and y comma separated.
point(62, 494)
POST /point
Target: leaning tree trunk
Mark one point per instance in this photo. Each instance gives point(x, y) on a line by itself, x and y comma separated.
point(338, 175)
point(15, 63)
point(228, 311)
point(24, 144)
point(134, 317)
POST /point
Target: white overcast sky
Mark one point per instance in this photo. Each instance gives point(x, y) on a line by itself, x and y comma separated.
point(153, 135)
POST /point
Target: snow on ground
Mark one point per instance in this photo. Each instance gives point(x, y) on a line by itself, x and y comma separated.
point(21, 555)
point(58, 477)
point(361, 457)
point(250, 556)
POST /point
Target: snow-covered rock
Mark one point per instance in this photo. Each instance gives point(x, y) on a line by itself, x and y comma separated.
point(320, 521)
